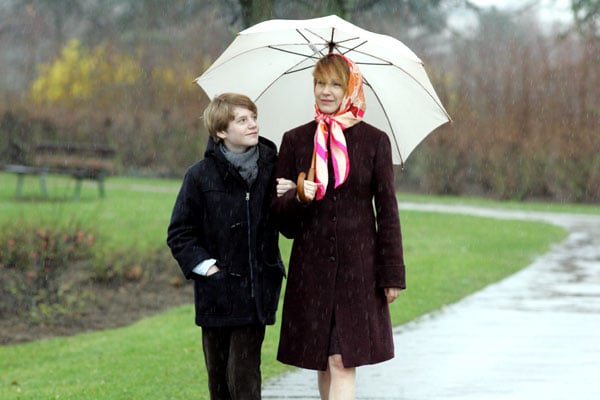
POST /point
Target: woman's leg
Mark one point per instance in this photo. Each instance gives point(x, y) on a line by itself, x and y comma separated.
point(244, 362)
point(324, 379)
point(338, 382)
point(215, 343)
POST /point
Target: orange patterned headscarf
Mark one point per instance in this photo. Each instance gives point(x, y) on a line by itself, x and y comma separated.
point(350, 113)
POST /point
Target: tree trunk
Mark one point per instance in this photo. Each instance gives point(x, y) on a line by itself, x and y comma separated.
point(255, 11)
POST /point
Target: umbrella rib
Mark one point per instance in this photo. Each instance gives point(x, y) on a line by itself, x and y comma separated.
point(294, 52)
point(267, 88)
point(436, 101)
point(289, 71)
point(387, 118)
point(382, 63)
point(330, 43)
point(307, 41)
point(349, 49)
point(292, 71)
point(433, 98)
point(388, 63)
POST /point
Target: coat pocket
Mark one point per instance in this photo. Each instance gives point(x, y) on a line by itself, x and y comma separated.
point(272, 278)
point(212, 294)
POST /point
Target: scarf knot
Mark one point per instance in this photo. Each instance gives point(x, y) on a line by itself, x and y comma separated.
point(330, 130)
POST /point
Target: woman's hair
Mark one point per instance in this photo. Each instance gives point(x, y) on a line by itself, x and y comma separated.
point(332, 66)
point(219, 111)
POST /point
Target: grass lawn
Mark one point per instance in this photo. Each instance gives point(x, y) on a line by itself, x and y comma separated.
point(134, 213)
point(508, 204)
point(447, 257)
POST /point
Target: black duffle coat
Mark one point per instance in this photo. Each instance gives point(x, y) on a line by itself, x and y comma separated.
point(216, 215)
point(347, 249)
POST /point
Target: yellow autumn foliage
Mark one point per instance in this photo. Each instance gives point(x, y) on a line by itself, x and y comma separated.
point(80, 74)
point(103, 74)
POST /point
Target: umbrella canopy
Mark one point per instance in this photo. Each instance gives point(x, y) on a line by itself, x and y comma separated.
point(272, 63)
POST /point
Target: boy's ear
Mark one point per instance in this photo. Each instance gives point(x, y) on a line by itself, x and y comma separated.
point(221, 134)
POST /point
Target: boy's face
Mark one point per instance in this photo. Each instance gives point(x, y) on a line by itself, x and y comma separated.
point(242, 131)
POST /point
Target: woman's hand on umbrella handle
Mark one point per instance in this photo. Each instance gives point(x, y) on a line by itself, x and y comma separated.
point(306, 189)
point(391, 294)
point(283, 185)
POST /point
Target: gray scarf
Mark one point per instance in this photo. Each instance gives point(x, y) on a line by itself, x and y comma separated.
point(245, 163)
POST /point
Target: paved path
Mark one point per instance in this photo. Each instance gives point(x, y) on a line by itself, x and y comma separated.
point(534, 335)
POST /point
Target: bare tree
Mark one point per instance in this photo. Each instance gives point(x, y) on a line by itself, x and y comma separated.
point(411, 12)
point(587, 15)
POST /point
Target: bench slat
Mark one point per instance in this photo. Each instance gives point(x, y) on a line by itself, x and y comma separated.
point(70, 162)
point(82, 161)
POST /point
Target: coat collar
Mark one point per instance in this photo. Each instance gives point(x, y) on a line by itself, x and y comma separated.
point(267, 151)
point(266, 148)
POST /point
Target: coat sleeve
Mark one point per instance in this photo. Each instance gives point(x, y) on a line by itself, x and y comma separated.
point(287, 209)
point(185, 235)
point(390, 258)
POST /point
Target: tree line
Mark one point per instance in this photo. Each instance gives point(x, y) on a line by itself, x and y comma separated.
point(524, 98)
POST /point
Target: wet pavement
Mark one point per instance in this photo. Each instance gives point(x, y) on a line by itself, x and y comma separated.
point(534, 335)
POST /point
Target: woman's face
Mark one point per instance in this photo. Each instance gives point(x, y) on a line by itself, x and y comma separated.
point(329, 93)
point(242, 131)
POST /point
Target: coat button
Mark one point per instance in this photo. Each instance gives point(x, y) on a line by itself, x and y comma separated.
point(332, 238)
point(333, 219)
point(332, 258)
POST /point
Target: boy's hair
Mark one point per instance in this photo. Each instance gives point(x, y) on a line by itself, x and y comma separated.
point(219, 111)
point(332, 66)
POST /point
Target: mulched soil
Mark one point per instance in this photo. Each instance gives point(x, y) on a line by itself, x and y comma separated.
point(107, 305)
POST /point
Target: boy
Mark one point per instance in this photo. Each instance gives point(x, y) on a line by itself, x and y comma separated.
point(222, 236)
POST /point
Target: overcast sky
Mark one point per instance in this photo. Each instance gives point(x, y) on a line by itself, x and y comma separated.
point(549, 10)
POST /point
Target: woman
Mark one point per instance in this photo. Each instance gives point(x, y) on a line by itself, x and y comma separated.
point(346, 263)
point(223, 237)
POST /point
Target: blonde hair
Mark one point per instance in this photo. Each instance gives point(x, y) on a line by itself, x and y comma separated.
point(332, 66)
point(220, 111)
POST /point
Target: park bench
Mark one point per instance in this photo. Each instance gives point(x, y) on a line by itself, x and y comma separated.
point(81, 161)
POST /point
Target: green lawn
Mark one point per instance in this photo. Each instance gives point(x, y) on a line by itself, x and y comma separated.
point(447, 256)
point(508, 204)
point(135, 212)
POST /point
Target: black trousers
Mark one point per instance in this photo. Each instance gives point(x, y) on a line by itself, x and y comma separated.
point(232, 357)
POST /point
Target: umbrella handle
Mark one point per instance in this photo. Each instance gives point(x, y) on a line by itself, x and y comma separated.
point(302, 176)
point(300, 184)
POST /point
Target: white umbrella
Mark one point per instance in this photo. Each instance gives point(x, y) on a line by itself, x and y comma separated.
point(272, 63)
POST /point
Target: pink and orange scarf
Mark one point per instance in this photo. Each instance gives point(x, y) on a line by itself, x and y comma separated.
point(350, 113)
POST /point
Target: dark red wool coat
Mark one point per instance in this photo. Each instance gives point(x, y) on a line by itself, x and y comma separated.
point(347, 248)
